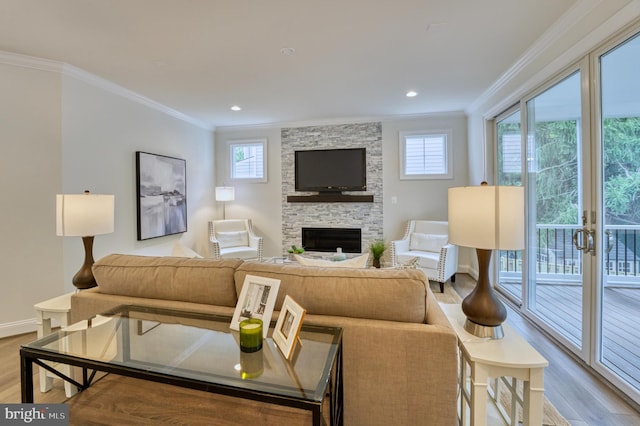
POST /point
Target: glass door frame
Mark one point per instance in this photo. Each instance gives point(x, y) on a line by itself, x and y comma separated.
point(585, 165)
point(515, 299)
point(592, 193)
point(598, 270)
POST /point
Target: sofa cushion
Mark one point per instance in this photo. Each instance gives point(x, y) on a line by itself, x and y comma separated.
point(171, 278)
point(354, 262)
point(232, 238)
point(427, 242)
point(382, 294)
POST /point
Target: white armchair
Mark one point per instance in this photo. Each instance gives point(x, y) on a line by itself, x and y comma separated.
point(234, 239)
point(428, 242)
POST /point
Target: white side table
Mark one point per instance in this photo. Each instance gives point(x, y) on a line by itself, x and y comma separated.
point(510, 356)
point(58, 308)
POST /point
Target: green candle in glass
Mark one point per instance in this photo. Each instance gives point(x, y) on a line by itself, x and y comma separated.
point(251, 335)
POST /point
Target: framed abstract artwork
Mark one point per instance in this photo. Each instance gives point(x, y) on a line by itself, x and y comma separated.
point(161, 189)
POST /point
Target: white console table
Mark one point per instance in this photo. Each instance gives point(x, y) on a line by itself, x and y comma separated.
point(511, 356)
point(59, 309)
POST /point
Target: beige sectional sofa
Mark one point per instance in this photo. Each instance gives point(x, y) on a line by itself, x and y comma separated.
point(399, 351)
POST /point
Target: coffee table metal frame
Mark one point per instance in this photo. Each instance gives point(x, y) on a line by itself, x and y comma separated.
point(33, 353)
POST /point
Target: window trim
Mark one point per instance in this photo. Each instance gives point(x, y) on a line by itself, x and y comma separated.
point(230, 159)
point(447, 133)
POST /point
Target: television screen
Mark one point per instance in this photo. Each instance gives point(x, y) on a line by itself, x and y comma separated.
point(331, 170)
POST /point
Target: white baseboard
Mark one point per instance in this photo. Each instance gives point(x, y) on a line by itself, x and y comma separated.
point(468, 269)
point(17, 327)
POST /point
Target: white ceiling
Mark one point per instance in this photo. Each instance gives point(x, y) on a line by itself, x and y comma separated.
point(353, 58)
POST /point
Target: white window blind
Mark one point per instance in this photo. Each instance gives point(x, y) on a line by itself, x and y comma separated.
point(425, 156)
point(247, 160)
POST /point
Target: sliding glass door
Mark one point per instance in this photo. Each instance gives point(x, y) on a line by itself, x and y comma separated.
point(617, 348)
point(556, 210)
point(575, 147)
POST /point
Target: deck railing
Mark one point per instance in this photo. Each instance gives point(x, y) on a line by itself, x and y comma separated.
point(557, 258)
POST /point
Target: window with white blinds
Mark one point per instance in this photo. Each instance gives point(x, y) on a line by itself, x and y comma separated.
point(248, 160)
point(425, 155)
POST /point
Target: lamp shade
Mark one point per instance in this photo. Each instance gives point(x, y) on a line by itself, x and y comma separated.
point(487, 217)
point(80, 215)
point(225, 193)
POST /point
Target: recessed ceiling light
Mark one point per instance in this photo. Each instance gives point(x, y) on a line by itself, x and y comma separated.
point(236, 108)
point(411, 94)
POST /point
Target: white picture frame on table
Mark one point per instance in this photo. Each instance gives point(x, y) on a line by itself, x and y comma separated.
point(288, 326)
point(257, 299)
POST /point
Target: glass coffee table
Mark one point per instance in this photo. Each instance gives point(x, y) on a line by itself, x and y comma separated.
point(196, 351)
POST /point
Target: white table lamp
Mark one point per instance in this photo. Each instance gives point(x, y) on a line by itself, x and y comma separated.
point(84, 215)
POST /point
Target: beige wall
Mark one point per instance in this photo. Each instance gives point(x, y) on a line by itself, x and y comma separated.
point(30, 165)
point(60, 134)
point(415, 199)
point(260, 202)
point(101, 133)
point(419, 199)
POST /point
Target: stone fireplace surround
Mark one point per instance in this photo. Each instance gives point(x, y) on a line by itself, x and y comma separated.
point(366, 216)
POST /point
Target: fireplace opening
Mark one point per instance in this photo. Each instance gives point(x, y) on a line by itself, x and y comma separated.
point(329, 239)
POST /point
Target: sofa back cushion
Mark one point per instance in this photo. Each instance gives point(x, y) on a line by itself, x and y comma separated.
point(171, 278)
point(383, 294)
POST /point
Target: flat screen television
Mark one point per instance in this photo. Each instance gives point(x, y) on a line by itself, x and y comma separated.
point(331, 170)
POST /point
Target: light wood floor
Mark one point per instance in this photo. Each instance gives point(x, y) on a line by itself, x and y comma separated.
point(573, 389)
point(577, 393)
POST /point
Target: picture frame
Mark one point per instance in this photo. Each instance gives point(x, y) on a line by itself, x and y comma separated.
point(161, 195)
point(257, 299)
point(288, 326)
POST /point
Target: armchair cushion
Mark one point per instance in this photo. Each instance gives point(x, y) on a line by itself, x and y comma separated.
point(234, 238)
point(241, 252)
point(425, 259)
point(229, 239)
point(428, 242)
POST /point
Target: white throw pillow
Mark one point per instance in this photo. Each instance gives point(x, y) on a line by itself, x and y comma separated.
point(233, 239)
point(180, 250)
point(354, 262)
point(428, 242)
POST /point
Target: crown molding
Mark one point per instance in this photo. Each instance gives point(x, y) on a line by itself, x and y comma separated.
point(19, 60)
point(338, 121)
point(563, 25)
point(109, 86)
point(621, 19)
